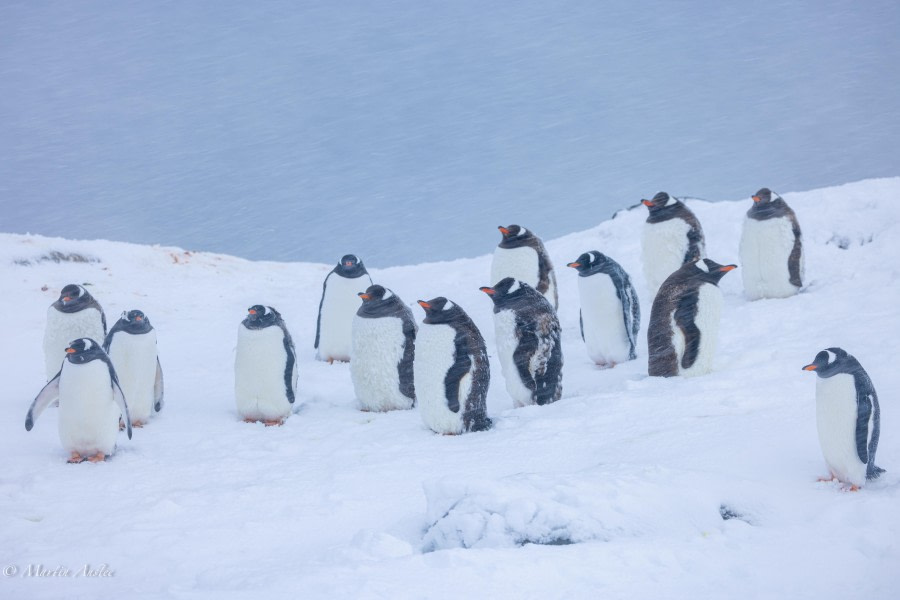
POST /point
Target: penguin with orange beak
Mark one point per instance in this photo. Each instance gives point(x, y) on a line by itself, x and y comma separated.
point(684, 322)
point(771, 248)
point(672, 237)
point(76, 314)
point(522, 256)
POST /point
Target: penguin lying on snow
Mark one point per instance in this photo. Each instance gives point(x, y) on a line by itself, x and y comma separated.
point(848, 417)
point(131, 345)
point(337, 308)
point(684, 321)
point(528, 342)
point(381, 356)
point(76, 314)
point(90, 403)
point(522, 256)
point(672, 237)
point(452, 370)
point(610, 315)
point(265, 367)
point(771, 248)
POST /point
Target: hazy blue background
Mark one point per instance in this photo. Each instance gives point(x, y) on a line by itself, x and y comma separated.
point(407, 131)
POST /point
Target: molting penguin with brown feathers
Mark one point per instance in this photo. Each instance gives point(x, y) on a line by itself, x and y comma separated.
point(76, 314)
point(522, 256)
point(684, 321)
point(771, 248)
point(672, 237)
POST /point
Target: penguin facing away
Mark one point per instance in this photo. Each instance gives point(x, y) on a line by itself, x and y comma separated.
point(684, 321)
point(610, 315)
point(452, 370)
point(848, 417)
point(90, 403)
point(76, 314)
point(265, 368)
point(771, 248)
point(337, 308)
point(528, 342)
point(131, 345)
point(522, 256)
point(672, 237)
point(382, 352)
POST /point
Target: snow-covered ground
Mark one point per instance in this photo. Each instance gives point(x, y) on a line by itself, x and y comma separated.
point(628, 487)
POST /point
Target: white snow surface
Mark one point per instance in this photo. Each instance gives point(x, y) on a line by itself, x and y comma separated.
point(631, 473)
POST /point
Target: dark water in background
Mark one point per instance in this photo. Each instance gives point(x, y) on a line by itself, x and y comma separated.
point(407, 131)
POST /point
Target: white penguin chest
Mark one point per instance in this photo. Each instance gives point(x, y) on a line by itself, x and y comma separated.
point(339, 305)
point(435, 355)
point(259, 373)
point(664, 246)
point(88, 414)
point(765, 248)
point(507, 342)
point(63, 328)
point(603, 321)
point(836, 414)
point(519, 263)
point(377, 349)
point(709, 313)
point(134, 358)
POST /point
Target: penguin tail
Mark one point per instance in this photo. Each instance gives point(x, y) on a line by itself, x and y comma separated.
point(876, 473)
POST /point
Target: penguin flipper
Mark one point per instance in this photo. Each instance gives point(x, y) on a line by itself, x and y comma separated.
point(48, 394)
point(863, 416)
point(796, 252)
point(581, 324)
point(684, 320)
point(525, 349)
point(119, 398)
point(158, 401)
point(461, 365)
point(319, 318)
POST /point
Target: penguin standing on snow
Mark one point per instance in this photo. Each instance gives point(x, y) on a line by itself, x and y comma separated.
point(452, 370)
point(684, 321)
point(847, 416)
point(337, 308)
point(610, 314)
point(131, 345)
point(522, 256)
point(771, 248)
point(382, 352)
point(528, 342)
point(75, 315)
point(90, 402)
point(265, 368)
point(672, 237)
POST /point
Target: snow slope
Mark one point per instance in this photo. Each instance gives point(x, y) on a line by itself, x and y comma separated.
point(629, 486)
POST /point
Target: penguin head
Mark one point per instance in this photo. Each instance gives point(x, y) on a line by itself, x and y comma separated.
point(439, 310)
point(72, 293)
point(764, 196)
point(133, 321)
point(513, 232)
point(828, 362)
point(710, 271)
point(589, 263)
point(83, 350)
point(260, 317)
point(660, 201)
point(505, 289)
point(350, 266)
point(135, 316)
point(375, 293)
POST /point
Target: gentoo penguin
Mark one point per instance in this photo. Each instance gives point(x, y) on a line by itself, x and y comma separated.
point(522, 256)
point(528, 342)
point(131, 345)
point(90, 402)
point(75, 315)
point(610, 314)
point(452, 370)
point(771, 248)
point(265, 368)
point(381, 355)
point(847, 417)
point(337, 308)
point(684, 320)
point(672, 237)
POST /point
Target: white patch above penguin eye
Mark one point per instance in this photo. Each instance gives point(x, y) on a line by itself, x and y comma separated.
point(831, 356)
point(387, 294)
point(522, 231)
point(79, 291)
point(701, 264)
point(514, 287)
point(595, 256)
point(88, 344)
point(448, 305)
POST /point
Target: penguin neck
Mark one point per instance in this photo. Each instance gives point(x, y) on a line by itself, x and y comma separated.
point(770, 210)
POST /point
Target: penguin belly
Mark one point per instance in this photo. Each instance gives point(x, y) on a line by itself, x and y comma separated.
point(765, 249)
point(603, 320)
point(134, 358)
point(507, 342)
point(836, 414)
point(521, 264)
point(375, 355)
point(663, 246)
point(259, 382)
point(339, 307)
point(63, 328)
point(88, 413)
point(435, 352)
point(709, 314)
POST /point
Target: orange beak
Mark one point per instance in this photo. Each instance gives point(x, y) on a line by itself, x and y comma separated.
point(756, 198)
point(727, 268)
point(67, 299)
point(810, 368)
point(251, 311)
point(574, 264)
point(424, 304)
point(503, 230)
point(139, 318)
point(364, 295)
point(488, 290)
point(647, 203)
point(348, 264)
point(70, 350)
